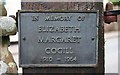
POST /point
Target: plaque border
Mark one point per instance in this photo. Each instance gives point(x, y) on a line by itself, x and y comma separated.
point(56, 65)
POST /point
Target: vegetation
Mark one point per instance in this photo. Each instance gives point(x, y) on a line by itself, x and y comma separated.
point(116, 2)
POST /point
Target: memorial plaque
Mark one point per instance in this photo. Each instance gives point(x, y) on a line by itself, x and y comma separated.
point(58, 39)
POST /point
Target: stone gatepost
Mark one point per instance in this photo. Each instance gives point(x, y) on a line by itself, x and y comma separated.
point(61, 37)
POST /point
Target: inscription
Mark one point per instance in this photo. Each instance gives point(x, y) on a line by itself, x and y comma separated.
point(58, 59)
point(58, 18)
point(35, 18)
point(58, 50)
point(46, 59)
point(81, 18)
point(59, 39)
point(59, 29)
point(63, 18)
point(70, 59)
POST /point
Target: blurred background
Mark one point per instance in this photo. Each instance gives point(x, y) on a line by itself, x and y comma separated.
point(111, 37)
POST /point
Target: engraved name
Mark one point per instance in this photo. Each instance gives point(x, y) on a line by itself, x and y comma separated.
point(59, 50)
point(59, 29)
point(59, 39)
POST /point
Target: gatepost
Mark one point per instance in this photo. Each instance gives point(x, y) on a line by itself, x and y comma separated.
point(61, 37)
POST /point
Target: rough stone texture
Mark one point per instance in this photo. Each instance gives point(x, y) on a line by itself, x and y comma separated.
point(76, 6)
point(6, 57)
point(57, 6)
point(7, 27)
point(3, 11)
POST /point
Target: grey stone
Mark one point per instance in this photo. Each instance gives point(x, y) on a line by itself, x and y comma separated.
point(3, 11)
point(8, 26)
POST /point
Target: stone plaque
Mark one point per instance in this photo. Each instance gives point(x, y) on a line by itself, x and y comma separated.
point(58, 39)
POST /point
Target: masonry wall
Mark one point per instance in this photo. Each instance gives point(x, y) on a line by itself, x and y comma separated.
point(71, 6)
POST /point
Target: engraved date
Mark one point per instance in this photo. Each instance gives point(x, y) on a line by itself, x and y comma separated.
point(46, 59)
point(70, 59)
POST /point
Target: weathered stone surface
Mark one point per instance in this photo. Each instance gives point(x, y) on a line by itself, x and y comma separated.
point(9, 65)
point(3, 11)
point(8, 26)
point(3, 67)
point(58, 6)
